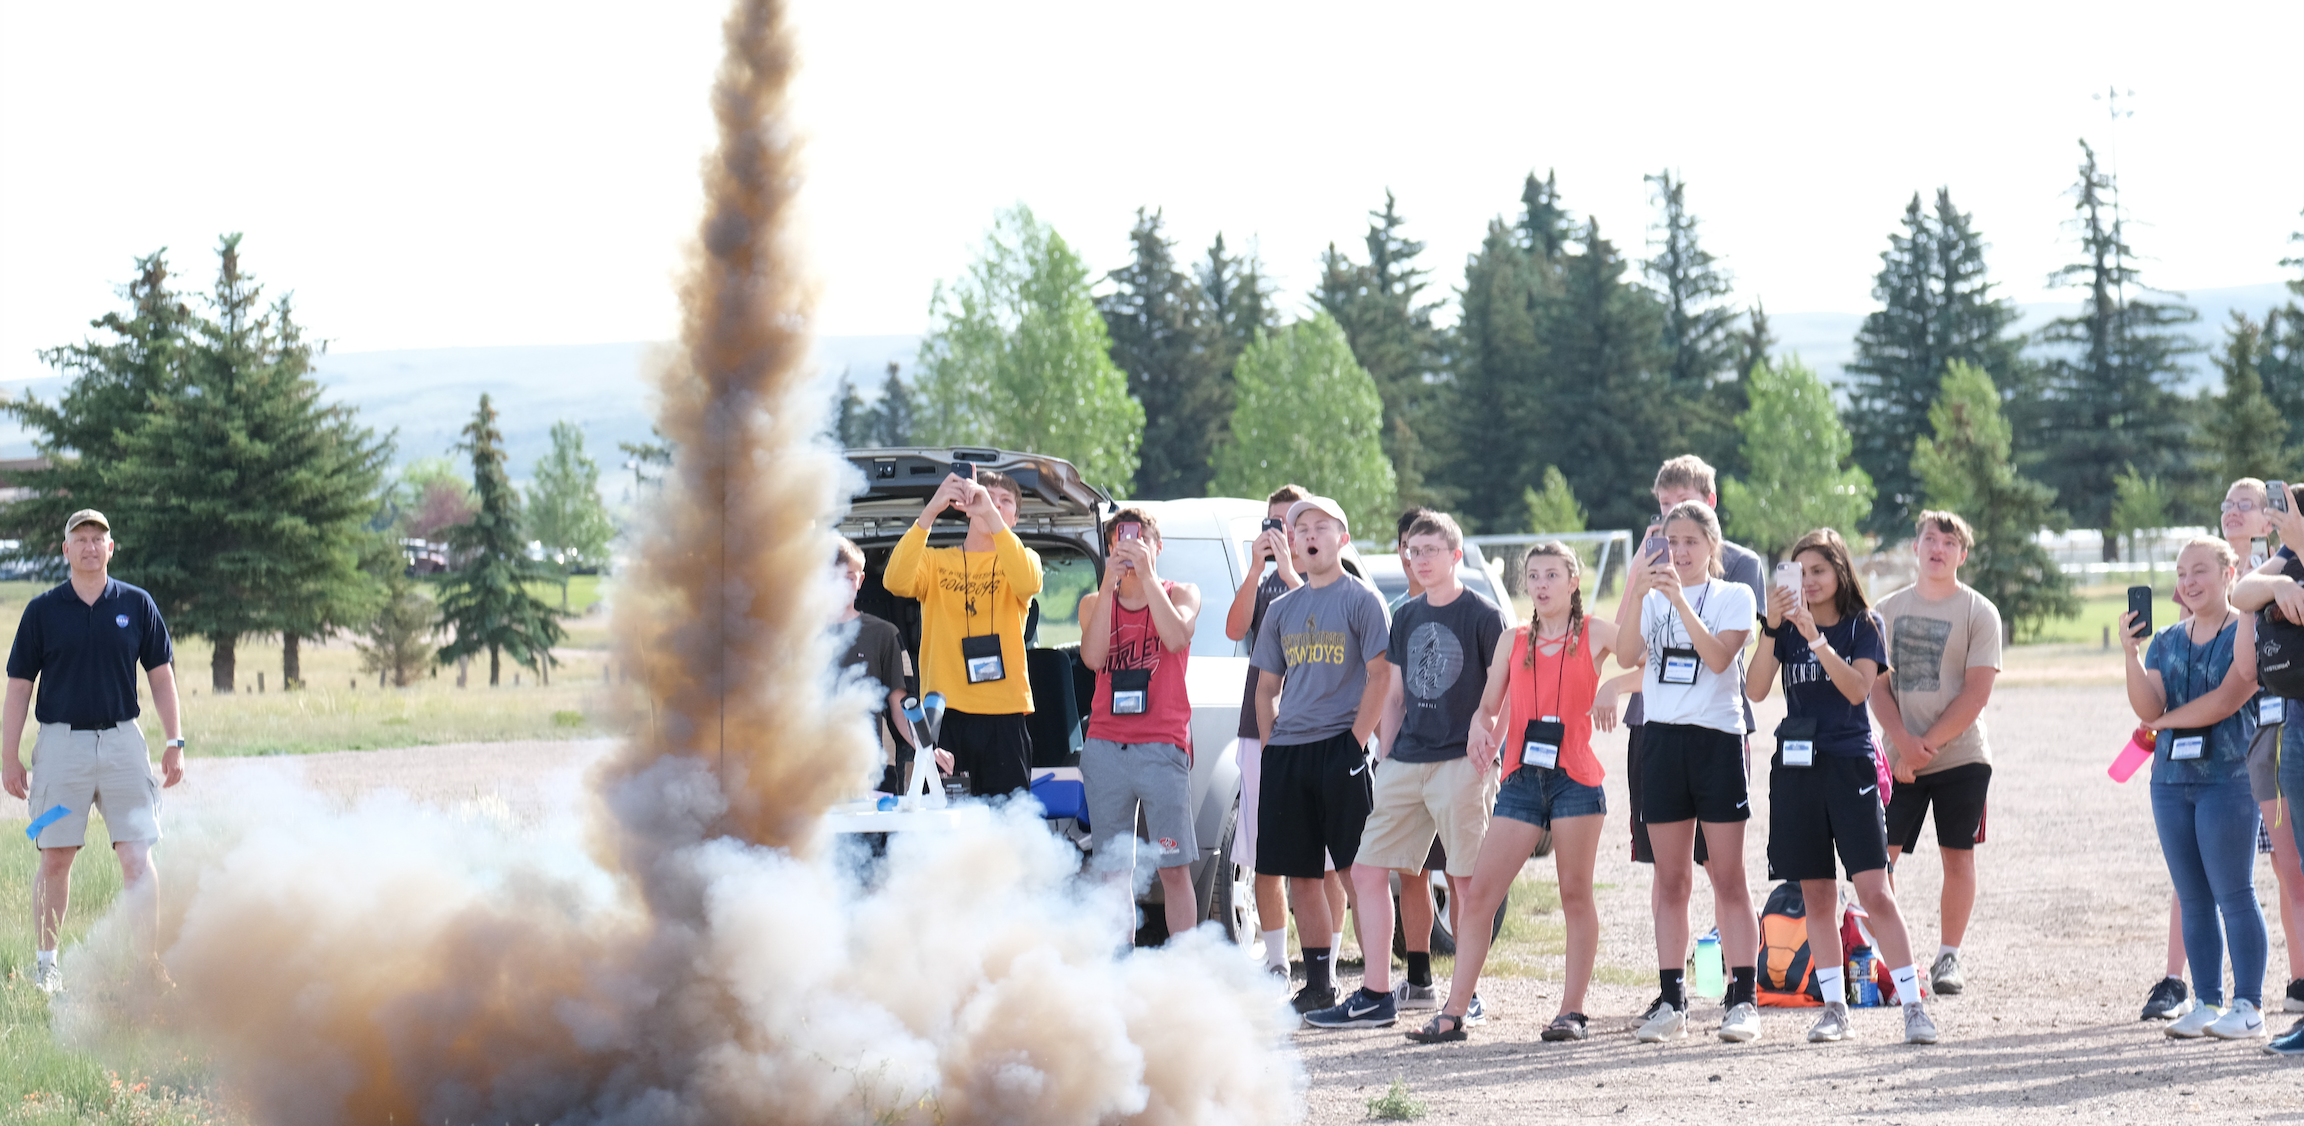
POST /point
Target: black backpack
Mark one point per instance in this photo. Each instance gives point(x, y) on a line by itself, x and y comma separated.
point(2279, 644)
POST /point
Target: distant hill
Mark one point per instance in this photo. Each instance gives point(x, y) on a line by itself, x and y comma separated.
point(427, 395)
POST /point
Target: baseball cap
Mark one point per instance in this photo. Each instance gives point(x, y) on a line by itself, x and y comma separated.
point(1322, 504)
point(86, 516)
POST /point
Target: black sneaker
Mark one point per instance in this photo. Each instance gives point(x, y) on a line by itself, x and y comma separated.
point(1362, 1009)
point(2168, 1001)
point(1309, 998)
point(2295, 1000)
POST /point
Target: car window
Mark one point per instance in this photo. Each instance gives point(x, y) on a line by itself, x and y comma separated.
point(1065, 576)
point(1199, 562)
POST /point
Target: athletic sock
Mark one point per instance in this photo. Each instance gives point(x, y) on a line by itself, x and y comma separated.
point(46, 957)
point(1276, 948)
point(1829, 981)
point(1907, 985)
point(1673, 983)
point(1742, 981)
point(1420, 967)
point(1942, 950)
point(1316, 968)
point(1336, 941)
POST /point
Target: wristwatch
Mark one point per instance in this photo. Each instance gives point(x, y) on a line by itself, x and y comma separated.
point(1767, 630)
point(1820, 641)
point(176, 744)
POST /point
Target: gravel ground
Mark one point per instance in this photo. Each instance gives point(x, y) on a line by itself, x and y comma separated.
point(2068, 935)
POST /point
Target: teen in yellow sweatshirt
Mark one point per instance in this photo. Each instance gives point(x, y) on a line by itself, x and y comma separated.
point(973, 601)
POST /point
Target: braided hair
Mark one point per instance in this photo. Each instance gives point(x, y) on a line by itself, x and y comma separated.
point(1557, 550)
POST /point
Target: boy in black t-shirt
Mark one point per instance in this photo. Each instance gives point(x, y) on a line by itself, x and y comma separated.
point(878, 649)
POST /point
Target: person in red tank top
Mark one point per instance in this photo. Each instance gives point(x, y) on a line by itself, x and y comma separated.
point(1136, 632)
point(1538, 711)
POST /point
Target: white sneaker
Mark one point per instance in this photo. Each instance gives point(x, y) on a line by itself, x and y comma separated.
point(1832, 1026)
point(2194, 1025)
point(1742, 1024)
point(1918, 1028)
point(47, 978)
point(1664, 1023)
point(2240, 1022)
point(1406, 996)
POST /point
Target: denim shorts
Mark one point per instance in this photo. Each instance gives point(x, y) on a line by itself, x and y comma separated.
point(1538, 796)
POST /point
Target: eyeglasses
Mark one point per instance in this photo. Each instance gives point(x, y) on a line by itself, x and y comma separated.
point(1428, 552)
point(2240, 506)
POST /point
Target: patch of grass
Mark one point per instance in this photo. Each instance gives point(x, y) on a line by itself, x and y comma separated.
point(1534, 932)
point(1396, 1104)
point(143, 1081)
point(567, 719)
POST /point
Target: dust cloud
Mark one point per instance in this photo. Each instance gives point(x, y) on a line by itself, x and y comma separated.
point(683, 945)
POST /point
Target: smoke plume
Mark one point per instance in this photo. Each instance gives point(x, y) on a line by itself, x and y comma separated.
point(681, 946)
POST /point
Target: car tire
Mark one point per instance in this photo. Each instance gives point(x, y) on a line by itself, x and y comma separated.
point(1231, 898)
point(1443, 938)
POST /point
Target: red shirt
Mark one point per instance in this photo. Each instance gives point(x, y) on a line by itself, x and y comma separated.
point(1561, 684)
point(1167, 715)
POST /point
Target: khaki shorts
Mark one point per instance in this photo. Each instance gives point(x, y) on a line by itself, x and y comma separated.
point(110, 770)
point(1416, 801)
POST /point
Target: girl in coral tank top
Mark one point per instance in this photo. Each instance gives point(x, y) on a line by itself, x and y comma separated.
point(1538, 713)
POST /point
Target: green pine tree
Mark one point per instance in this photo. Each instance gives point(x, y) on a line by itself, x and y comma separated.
point(892, 415)
point(2282, 363)
point(1796, 455)
point(1604, 408)
point(1305, 411)
point(1381, 309)
point(2248, 438)
point(1499, 367)
point(397, 641)
point(1555, 509)
point(1699, 330)
point(1018, 357)
point(565, 512)
point(111, 383)
point(854, 423)
point(1754, 343)
point(1239, 301)
point(1965, 468)
point(2108, 396)
point(485, 600)
point(1166, 338)
point(1937, 307)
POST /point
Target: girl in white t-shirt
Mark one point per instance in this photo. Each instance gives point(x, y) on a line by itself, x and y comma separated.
point(1690, 633)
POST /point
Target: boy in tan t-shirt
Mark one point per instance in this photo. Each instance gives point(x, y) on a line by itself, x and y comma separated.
point(1943, 654)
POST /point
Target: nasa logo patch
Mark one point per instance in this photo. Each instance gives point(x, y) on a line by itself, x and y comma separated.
point(121, 621)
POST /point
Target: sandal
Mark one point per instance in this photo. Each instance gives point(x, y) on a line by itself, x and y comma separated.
point(1567, 1026)
point(1437, 1033)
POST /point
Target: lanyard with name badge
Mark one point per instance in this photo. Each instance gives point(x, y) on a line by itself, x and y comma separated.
point(2270, 710)
point(1680, 664)
point(1796, 740)
point(2188, 744)
point(981, 656)
point(1540, 742)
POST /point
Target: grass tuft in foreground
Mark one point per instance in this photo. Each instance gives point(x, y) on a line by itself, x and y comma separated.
point(1396, 1104)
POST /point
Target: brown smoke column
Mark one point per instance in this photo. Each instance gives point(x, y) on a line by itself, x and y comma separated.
point(691, 957)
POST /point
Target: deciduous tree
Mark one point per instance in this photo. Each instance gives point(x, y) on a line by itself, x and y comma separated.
point(1965, 468)
point(565, 513)
point(1797, 475)
point(1305, 411)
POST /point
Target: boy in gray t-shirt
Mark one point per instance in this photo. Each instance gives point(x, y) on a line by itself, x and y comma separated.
point(1325, 643)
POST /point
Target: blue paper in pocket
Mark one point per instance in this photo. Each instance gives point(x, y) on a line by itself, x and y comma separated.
point(32, 831)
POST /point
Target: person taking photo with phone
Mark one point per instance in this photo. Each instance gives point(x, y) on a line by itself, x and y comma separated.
point(1686, 626)
point(2192, 688)
point(2274, 593)
point(1136, 632)
point(1944, 656)
point(1823, 788)
point(1537, 710)
point(973, 601)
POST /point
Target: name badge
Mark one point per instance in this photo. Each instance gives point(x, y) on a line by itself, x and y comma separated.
point(2270, 710)
point(982, 655)
point(2186, 747)
point(1540, 744)
point(1131, 691)
point(1796, 741)
point(1679, 666)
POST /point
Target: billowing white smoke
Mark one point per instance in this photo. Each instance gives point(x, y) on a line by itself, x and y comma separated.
point(681, 946)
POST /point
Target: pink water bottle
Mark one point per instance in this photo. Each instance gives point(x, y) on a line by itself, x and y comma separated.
point(2135, 754)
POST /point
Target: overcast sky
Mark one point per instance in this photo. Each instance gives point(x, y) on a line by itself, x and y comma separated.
point(478, 172)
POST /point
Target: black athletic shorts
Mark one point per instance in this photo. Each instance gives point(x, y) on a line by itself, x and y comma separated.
point(1314, 799)
point(1811, 809)
point(994, 751)
point(1958, 795)
point(1692, 773)
point(1642, 851)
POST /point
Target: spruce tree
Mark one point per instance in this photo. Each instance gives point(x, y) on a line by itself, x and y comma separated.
point(853, 425)
point(2247, 436)
point(1699, 329)
point(1964, 467)
point(2282, 362)
point(2108, 389)
point(892, 415)
point(485, 600)
point(1606, 419)
point(1165, 337)
point(1381, 309)
point(397, 641)
point(112, 381)
point(1546, 228)
point(1499, 369)
point(1937, 307)
point(1754, 342)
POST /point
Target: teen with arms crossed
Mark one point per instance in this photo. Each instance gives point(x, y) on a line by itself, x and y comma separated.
point(1544, 683)
point(1944, 653)
point(1690, 628)
point(2193, 687)
point(1823, 789)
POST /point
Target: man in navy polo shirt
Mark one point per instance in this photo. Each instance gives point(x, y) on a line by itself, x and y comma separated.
point(82, 641)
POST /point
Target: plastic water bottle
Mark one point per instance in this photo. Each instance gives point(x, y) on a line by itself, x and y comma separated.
point(2134, 755)
point(1711, 978)
point(1860, 975)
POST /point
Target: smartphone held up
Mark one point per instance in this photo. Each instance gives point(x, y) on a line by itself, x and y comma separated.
point(2140, 604)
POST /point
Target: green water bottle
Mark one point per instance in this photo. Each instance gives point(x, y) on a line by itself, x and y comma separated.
point(1711, 978)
